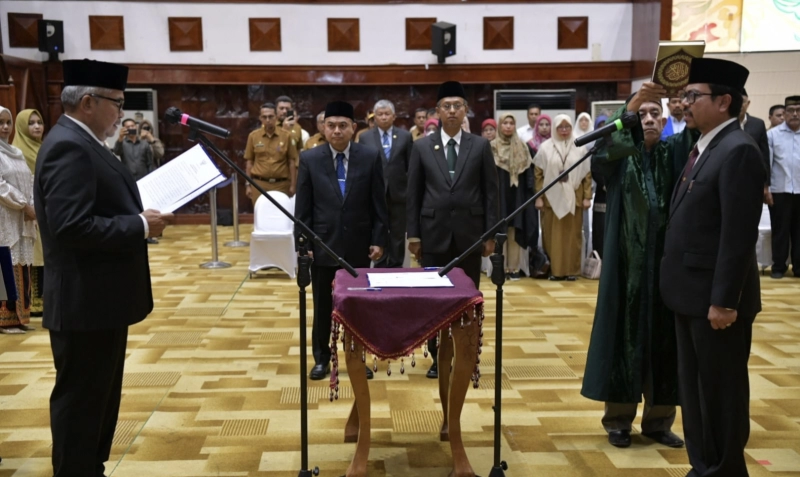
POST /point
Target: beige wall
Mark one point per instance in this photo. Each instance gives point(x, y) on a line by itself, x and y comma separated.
point(773, 77)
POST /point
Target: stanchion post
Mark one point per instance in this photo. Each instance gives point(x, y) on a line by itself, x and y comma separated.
point(214, 263)
point(236, 242)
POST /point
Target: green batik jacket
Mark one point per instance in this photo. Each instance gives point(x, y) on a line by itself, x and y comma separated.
point(633, 341)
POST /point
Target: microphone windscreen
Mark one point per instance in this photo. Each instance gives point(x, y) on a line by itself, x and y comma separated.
point(172, 115)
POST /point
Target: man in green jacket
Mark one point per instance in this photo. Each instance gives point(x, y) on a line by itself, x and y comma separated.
point(633, 350)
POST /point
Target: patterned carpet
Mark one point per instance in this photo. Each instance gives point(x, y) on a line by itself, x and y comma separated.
point(211, 386)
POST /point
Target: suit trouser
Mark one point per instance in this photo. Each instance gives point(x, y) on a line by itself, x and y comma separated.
point(84, 404)
point(471, 266)
point(714, 394)
point(321, 279)
point(784, 215)
point(395, 252)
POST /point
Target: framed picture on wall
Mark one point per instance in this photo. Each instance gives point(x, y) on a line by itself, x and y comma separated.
point(605, 108)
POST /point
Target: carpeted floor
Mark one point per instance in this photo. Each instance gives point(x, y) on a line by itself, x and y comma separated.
point(212, 386)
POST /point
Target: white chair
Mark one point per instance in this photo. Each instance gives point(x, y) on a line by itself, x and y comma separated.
point(272, 240)
point(764, 243)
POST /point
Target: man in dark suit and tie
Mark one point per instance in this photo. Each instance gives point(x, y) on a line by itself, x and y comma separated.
point(452, 193)
point(756, 128)
point(97, 279)
point(709, 275)
point(395, 146)
point(341, 197)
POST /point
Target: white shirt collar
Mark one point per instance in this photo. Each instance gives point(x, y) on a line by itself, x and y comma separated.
point(346, 152)
point(388, 131)
point(675, 121)
point(86, 128)
point(457, 137)
point(706, 139)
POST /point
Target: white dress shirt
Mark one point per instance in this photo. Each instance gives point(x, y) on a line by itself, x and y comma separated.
point(706, 139)
point(525, 133)
point(91, 133)
point(388, 133)
point(457, 138)
point(677, 126)
point(784, 159)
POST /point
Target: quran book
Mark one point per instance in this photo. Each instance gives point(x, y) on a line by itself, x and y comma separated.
point(673, 62)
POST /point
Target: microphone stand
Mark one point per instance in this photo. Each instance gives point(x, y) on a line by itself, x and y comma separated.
point(499, 278)
point(303, 280)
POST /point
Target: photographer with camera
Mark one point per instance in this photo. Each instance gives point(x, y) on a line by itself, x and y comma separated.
point(134, 153)
point(146, 134)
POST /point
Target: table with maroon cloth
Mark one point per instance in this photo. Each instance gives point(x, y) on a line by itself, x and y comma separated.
point(390, 324)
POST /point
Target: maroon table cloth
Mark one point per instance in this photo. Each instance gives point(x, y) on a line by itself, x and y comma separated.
point(392, 322)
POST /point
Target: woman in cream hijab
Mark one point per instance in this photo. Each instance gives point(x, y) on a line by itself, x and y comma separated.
point(515, 178)
point(562, 205)
point(17, 232)
point(28, 139)
point(584, 125)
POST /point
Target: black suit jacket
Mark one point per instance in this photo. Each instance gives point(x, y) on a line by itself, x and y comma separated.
point(395, 170)
point(756, 128)
point(709, 251)
point(349, 225)
point(87, 205)
point(441, 210)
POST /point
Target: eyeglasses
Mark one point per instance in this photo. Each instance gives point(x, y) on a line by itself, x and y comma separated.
point(146, 128)
point(791, 111)
point(692, 96)
point(453, 106)
point(118, 102)
point(564, 128)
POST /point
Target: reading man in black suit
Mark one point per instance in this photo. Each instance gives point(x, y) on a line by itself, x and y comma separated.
point(341, 197)
point(756, 128)
point(709, 275)
point(452, 193)
point(97, 279)
point(395, 147)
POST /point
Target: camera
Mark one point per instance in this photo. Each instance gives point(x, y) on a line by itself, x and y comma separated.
point(290, 114)
point(146, 128)
point(132, 131)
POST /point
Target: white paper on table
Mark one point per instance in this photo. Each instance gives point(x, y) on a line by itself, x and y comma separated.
point(408, 280)
point(180, 180)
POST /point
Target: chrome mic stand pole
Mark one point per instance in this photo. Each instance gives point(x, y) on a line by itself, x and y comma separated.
point(236, 242)
point(214, 263)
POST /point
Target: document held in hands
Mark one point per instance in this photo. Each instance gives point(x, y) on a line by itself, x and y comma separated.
point(408, 280)
point(180, 180)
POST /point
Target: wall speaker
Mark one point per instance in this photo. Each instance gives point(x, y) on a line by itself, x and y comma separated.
point(443, 40)
point(51, 37)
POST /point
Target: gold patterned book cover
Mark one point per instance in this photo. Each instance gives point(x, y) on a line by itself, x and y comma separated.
point(673, 62)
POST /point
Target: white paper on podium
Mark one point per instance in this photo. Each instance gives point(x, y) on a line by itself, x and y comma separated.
point(408, 280)
point(180, 180)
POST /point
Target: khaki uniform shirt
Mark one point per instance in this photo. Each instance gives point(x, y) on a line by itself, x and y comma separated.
point(270, 154)
point(315, 140)
point(297, 137)
point(417, 133)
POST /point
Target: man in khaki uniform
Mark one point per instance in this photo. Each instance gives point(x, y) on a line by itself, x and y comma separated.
point(418, 131)
point(319, 138)
point(289, 121)
point(271, 157)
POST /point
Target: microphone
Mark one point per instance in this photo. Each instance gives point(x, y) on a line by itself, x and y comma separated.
point(175, 116)
point(627, 121)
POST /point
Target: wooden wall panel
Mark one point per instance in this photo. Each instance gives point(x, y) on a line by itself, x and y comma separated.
point(498, 33)
point(185, 33)
point(343, 34)
point(106, 32)
point(573, 33)
point(265, 34)
point(23, 30)
point(29, 83)
point(418, 33)
point(380, 75)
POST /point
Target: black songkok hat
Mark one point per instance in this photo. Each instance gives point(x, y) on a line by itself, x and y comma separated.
point(95, 73)
point(339, 109)
point(716, 71)
point(744, 92)
point(450, 89)
point(791, 101)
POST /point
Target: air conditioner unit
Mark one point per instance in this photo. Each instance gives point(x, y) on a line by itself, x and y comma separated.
point(143, 102)
point(516, 102)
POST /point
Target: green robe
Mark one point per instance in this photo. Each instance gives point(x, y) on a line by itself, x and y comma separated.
point(634, 332)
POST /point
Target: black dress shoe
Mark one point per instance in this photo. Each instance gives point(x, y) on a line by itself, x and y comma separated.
point(619, 438)
point(776, 275)
point(369, 373)
point(554, 278)
point(667, 438)
point(319, 371)
point(433, 373)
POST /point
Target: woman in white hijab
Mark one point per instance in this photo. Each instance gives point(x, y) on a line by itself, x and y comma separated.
point(584, 125)
point(18, 230)
point(562, 205)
